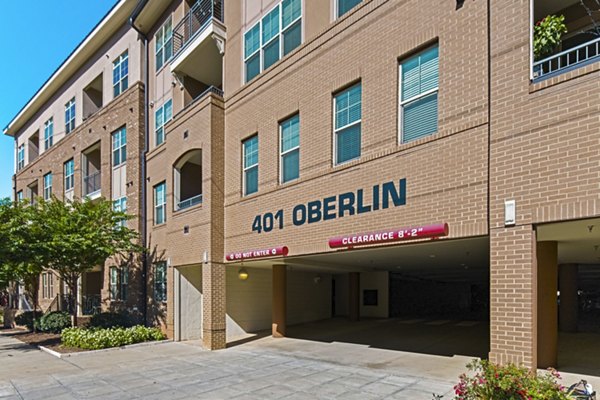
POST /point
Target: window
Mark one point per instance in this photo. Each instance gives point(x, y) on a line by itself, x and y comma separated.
point(164, 44)
point(47, 285)
point(161, 117)
point(48, 133)
point(160, 203)
point(20, 157)
point(69, 168)
point(119, 278)
point(119, 146)
point(120, 74)
point(48, 186)
point(290, 148)
point(120, 205)
point(250, 156)
point(160, 281)
point(19, 195)
point(347, 105)
point(275, 35)
point(70, 115)
point(343, 6)
point(419, 95)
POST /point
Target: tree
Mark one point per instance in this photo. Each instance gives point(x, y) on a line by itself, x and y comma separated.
point(20, 258)
point(75, 236)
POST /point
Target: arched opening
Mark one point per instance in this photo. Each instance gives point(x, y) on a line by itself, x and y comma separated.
point(188, 180)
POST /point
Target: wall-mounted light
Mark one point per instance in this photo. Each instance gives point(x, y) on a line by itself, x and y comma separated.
point(243, 274)
point(317, 279)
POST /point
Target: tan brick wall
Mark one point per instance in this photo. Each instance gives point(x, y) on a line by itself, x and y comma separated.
point(203, 124)
point(126, 110)
point(446, 173)
point(545, 154)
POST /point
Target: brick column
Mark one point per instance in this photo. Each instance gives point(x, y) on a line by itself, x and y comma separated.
point(547, 268)
point(513, 296)
point(279, 304)
point(213, 306)
point(354, 296)
point(568, 286)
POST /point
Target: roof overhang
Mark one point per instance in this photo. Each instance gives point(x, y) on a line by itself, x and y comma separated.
point(108, 26)
point(147, 12)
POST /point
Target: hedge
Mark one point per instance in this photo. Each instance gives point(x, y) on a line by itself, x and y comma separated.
point(97, 338)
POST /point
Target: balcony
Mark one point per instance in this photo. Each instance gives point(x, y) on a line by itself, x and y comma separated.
point(188, 180)
point(198, 46)
point(92, 185)
point(578, 46)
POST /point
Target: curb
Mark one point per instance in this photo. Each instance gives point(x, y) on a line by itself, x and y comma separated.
point(86, 352)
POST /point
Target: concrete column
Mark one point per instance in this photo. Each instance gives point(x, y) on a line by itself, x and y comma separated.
point(213, 306)
point(547, 267)
point(79, 301)
point(279, 304)
point(568, 286)
point(354, 296)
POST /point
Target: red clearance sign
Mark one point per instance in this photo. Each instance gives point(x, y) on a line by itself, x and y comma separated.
point(390, 235)
point(250, 254)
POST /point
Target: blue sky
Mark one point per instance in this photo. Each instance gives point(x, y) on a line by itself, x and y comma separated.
point(36, 39)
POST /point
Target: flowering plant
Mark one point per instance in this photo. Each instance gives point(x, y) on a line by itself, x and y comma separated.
point(488, 381)
point(547, 34)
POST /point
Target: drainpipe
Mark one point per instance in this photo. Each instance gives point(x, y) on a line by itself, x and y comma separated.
point(138, 8)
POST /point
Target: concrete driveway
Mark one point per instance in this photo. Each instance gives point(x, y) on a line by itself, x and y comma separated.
point(256, 370)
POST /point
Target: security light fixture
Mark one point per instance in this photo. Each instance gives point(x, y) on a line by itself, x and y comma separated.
point(243, 274)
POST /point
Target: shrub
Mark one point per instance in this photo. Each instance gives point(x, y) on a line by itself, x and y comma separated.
point(54, 321)
point(489, 381)
point(26, 319)
point(111, 320)
point(97, 338)
point(547, 34)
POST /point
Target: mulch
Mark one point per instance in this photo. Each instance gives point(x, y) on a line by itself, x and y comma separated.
point(48, 340)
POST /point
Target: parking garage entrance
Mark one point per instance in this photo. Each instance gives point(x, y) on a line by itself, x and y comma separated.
point(568, 269)
point(429, 297)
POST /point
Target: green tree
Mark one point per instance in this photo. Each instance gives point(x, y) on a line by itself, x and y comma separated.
point(75, 236)
point(20, 257)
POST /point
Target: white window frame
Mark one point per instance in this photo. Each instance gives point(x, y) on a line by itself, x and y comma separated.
point(161, 126)
point(160, 45)
point(118, 283)
point(123, 83)
point(279, 36)
point(48, 133)
point(21, 157)
point(19, 195)
point(120, 138)
point(403, 102)
point(337, 130)
point(162, 205)
point(283, 153)
point(69, 175)
point(120, 205)
point(160, 287)
point(70, 107)
point(47, 285)
point(245, 169)
point(47, 186)
point(336, 9)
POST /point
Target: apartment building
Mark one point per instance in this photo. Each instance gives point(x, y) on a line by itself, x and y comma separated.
point(302, 161)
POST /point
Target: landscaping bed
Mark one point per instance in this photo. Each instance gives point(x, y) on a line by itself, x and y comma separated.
point(48, 340)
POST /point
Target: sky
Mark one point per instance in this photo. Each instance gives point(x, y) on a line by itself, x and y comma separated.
point(36, 39)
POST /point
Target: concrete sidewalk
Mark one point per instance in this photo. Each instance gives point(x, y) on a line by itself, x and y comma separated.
point(185, 371)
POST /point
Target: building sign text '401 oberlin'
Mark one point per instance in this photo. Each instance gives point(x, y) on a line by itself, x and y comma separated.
point(350, 203)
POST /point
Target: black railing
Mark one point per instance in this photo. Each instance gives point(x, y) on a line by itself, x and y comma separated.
point(195, 21)
point(92, 183)
point(90, 304)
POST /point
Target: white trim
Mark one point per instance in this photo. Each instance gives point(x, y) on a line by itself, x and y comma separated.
point(244, 168)
point(336, 130)
point(283, 153)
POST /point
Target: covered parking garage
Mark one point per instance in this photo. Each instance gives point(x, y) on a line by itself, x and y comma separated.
point(430, 297)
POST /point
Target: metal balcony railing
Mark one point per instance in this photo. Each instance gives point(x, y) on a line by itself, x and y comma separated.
point(195, 21)
point(92, 183)
point(568, 59)
point(187, 203)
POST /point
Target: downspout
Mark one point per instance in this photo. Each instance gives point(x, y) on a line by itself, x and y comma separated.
point(138, 8)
